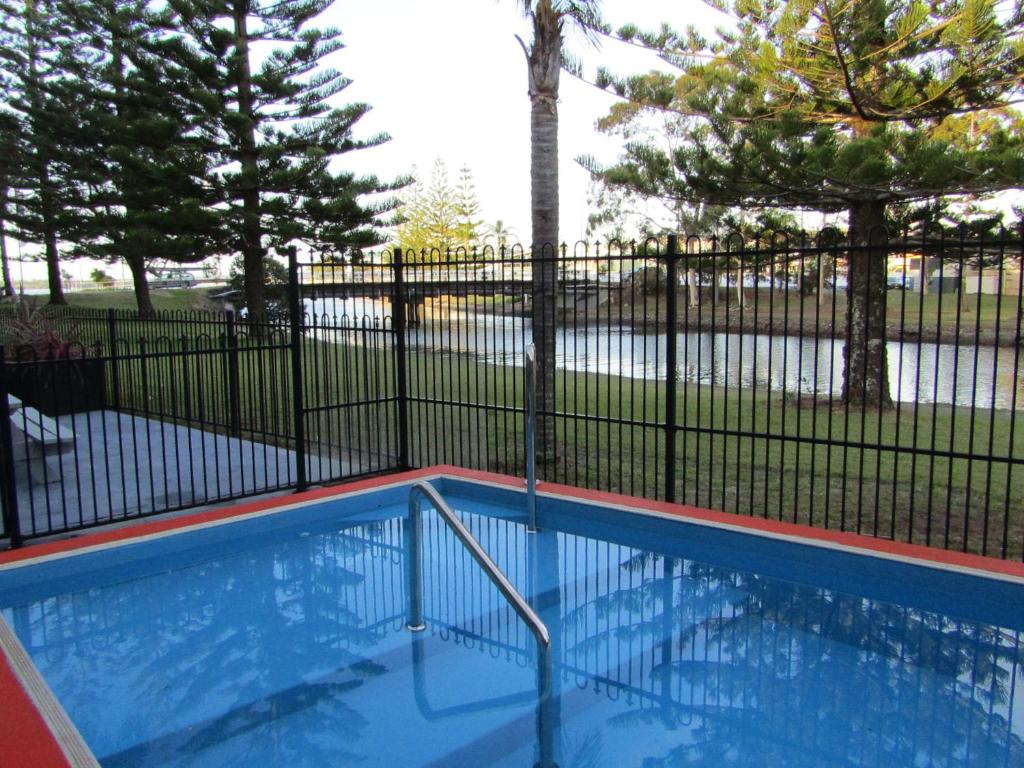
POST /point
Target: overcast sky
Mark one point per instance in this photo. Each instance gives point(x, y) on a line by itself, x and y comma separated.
point(448, 80)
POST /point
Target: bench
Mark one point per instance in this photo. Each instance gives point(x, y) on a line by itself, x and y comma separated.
point(44, 439)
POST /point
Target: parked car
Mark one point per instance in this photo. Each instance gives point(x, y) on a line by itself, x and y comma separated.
point(174, 278)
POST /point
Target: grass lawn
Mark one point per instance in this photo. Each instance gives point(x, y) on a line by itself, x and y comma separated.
point(921, 474)
point(172, 299)
point(909, 315)
point(900, 473)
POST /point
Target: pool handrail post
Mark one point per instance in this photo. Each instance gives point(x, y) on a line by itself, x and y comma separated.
point(413, 532)
point(296, 318)
point(531, 437)
point(424, 490)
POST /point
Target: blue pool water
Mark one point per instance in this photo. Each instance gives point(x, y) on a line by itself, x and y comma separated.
point(280, 640)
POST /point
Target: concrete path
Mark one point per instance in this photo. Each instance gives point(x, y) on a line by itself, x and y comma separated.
point(123, 466)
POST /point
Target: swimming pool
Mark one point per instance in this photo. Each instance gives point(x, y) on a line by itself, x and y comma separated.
point(275, 634)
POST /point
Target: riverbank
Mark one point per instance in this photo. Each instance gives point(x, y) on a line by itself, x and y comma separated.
point(945, 318)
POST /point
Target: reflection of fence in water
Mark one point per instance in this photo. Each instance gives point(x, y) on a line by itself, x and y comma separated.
point(678, 640)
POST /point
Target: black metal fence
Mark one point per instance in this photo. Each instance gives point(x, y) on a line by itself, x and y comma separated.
point(870, 388)
point(718, 373)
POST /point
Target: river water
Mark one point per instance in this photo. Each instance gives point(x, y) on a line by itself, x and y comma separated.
point(983, 376)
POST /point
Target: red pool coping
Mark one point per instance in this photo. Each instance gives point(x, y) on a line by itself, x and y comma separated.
point(27, 739)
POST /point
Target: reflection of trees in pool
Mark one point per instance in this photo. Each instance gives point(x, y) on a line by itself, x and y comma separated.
point(250, 666)
point(763, 672)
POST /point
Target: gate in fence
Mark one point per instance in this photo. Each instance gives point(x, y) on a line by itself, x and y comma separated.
point(348, 359)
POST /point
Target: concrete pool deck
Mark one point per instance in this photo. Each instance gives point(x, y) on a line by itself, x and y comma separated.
point(123, 466)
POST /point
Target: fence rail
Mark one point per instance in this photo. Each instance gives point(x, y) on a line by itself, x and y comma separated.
point(873, 388)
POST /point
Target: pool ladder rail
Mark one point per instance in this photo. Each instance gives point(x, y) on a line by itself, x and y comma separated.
point(414, 546)
point(531, 437)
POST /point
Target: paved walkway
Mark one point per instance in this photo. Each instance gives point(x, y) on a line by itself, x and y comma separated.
point(130, 465)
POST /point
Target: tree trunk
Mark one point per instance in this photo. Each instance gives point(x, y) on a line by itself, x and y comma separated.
point(252, 241)
point(692, 289)
point(544, 67)
point(866, 369)
point(53, 267)
point(4, 261)
point(140, 283)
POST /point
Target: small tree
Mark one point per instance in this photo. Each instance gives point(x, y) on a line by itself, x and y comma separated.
point(438, 218)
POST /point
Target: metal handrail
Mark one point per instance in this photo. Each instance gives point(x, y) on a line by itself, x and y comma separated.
point(531, 437)
point(424, 490)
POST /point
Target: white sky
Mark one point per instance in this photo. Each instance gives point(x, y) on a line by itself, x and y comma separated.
point(448, 80)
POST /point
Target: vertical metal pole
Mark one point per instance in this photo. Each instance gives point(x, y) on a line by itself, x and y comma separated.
point(414, 547)
point(115, 374)
point(398, 322)
point(672, 377)
point(9, 497)
point(545, 708)
point(531, 438)
point(234, 380)
point(296, 316)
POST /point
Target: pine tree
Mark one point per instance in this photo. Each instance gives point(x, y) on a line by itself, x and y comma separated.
point(830, 106)
point(151, 198)
point(467, 209)
point(274, 130)
point(40, 58)
point(438, 220)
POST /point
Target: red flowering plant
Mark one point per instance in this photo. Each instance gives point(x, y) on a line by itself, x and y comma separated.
point(34, 334)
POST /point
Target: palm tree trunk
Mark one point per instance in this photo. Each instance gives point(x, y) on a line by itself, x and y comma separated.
point(544, 68)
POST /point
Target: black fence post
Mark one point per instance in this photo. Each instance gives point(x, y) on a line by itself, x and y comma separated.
point(9, 497)
point(234, 381)
point(115, 373)
point(398, 322)
point(672, 374)
point(296, 317)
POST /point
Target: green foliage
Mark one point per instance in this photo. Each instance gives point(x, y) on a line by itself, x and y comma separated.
point(181, 130)
point(151, 198)
point(826, 106)
point(439, 218)
point(276, 130)
point(275, 287)
point(45, 152)
point(100, 277)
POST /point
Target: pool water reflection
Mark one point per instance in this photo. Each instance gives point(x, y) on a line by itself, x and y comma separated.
point(291, 650)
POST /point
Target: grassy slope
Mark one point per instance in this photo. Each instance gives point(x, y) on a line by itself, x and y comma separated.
point(177, 299)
